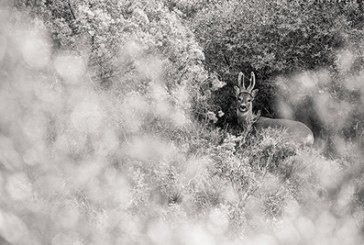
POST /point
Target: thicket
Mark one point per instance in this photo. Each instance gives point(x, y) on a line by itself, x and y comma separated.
point(319, 41)
point(105, 135)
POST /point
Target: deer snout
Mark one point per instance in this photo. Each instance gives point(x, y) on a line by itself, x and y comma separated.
point(243, 108)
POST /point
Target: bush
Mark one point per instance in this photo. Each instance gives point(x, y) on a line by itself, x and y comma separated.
point(128, 45)
point(271, 38)
point(127, 163)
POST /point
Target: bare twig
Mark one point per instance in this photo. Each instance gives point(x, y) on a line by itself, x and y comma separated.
point(71, 10)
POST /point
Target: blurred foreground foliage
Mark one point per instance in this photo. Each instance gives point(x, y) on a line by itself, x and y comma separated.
point(100, 142)
point(127, 44)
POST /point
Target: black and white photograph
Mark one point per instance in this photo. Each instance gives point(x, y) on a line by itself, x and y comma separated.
point(181, 122)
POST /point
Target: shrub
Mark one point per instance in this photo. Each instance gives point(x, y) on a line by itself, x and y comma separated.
point(128, 164)
point(272, 38)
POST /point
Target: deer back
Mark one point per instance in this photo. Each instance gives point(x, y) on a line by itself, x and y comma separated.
point(297, 131)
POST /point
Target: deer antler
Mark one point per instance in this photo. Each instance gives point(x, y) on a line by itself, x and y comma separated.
point(239, 80)
point(251, 82)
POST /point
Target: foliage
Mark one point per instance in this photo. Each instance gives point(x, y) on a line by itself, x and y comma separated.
point(271, 38)
point(125, 162)
point(122, 41)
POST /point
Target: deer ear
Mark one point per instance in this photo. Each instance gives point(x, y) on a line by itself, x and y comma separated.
point(255, 92)
point(237, 90)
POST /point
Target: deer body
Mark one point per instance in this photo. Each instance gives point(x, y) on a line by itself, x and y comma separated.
point(297, 131)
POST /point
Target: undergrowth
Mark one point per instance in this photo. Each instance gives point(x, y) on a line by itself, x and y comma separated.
point(129, 163)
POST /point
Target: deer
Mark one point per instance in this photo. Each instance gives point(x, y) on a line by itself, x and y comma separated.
point(297, 131)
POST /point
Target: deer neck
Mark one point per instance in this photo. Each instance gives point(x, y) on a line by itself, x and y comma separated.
point(246, 120)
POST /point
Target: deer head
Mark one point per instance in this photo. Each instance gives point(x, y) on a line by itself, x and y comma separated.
point(245, 97)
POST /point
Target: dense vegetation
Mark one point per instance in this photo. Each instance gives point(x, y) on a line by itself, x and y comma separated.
point(301, 42)
point(115, 121)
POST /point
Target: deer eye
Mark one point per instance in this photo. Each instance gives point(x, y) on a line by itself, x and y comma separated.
point(249, 100)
